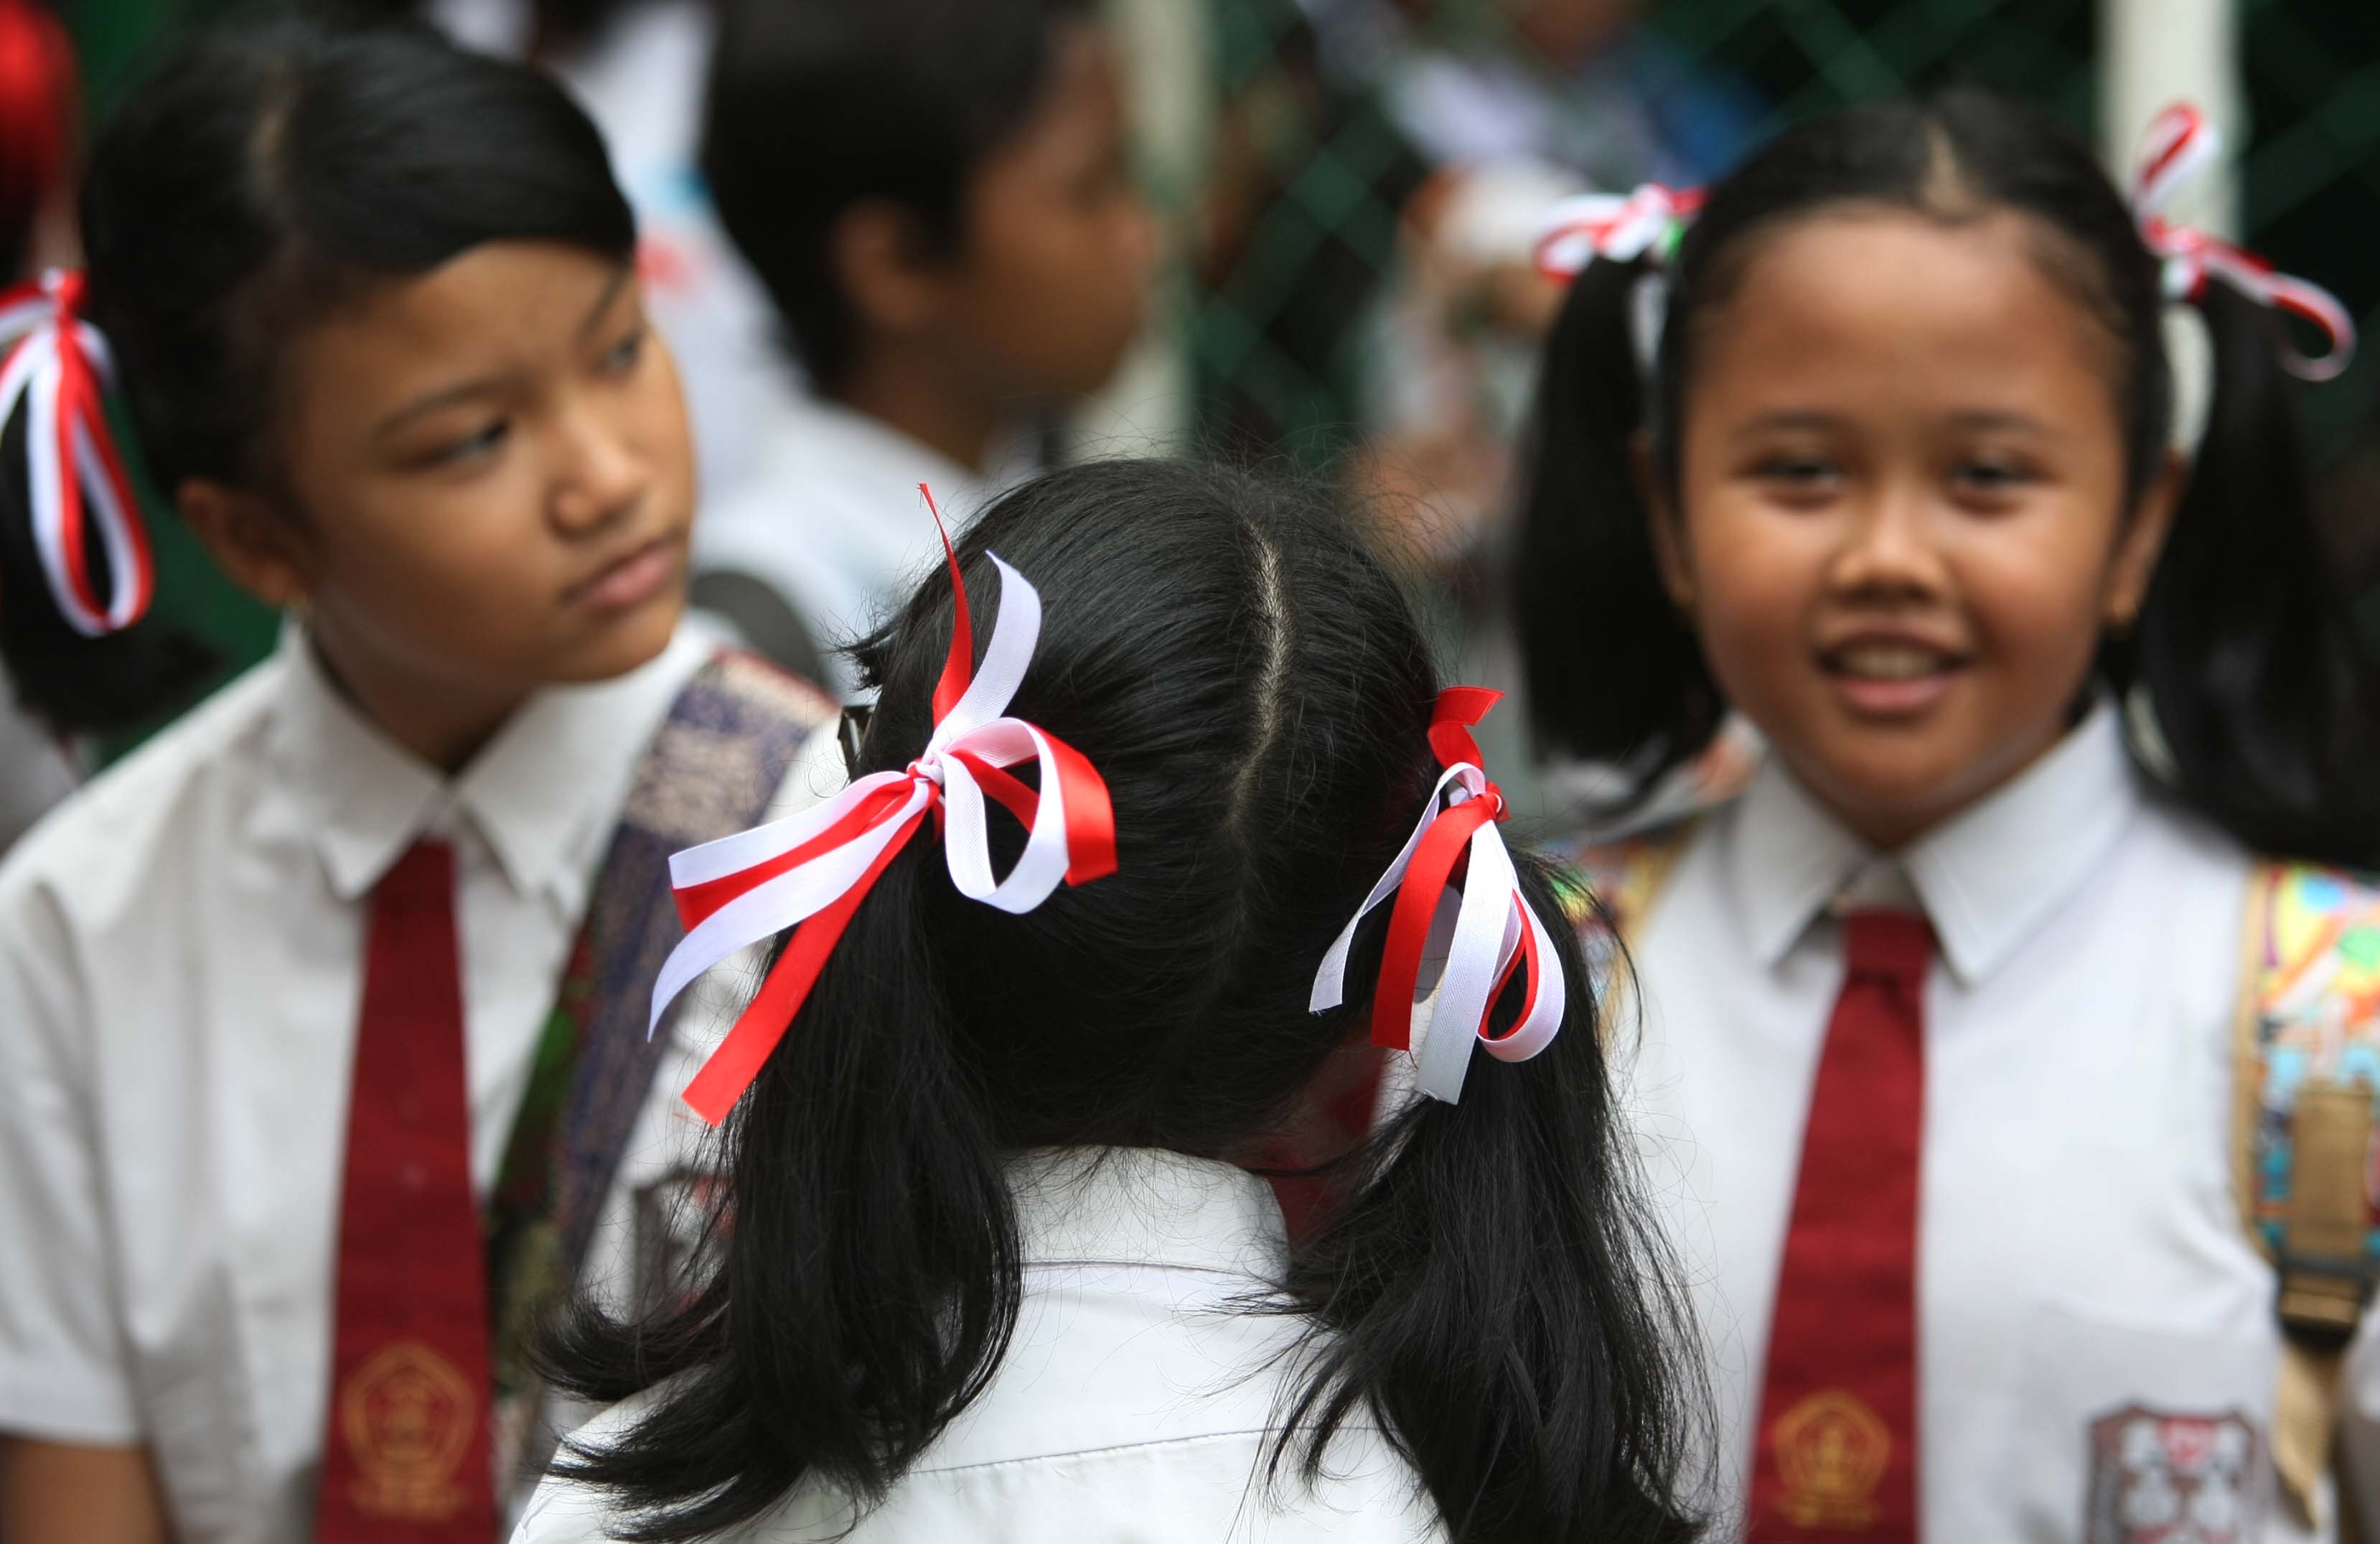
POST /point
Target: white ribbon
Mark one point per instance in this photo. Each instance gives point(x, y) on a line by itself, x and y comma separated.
point(1453, 994)
point(31, 328)
point(974, 725)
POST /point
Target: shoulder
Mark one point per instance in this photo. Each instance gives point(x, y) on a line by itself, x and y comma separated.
point(102, 846)
point(1611, 884)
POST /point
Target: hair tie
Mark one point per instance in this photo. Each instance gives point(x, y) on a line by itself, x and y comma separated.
point(1649, 223)
point(2180, 145)
point(811, 871)
point(59, 366)
point(1450, 952)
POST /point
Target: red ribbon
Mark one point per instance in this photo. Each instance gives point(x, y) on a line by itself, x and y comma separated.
point(884, 812)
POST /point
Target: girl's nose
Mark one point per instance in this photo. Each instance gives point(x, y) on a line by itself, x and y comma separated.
point(602, 475)
point(1889, 547)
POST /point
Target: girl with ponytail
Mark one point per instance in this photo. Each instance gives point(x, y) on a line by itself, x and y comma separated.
point(997, 1267)
point(2020, 1015)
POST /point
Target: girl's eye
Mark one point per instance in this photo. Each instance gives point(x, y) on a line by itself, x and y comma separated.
point(622, 357)
point(1800, 474)
point(471, 447)
point(1991, 477)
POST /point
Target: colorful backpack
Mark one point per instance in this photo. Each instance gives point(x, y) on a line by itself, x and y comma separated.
point(2306, 1078)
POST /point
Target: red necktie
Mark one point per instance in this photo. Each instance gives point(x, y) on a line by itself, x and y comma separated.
point(1836, 1454)
point(406, 1456)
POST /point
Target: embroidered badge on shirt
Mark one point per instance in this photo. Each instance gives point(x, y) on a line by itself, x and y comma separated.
point(408, 1414)
point(1831, 1449)
point(2162, 1479)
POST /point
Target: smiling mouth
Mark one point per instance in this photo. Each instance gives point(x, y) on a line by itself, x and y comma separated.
point(1890, 680)
point(1888, 662)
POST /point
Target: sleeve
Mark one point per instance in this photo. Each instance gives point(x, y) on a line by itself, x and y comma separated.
point(65, 1373)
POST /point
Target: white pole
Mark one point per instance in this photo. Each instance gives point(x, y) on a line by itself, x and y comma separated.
point(2153, 53)
point(1147, 409)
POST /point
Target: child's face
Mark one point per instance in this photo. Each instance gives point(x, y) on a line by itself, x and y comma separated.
point(492, 473)
point(1050, 286)
point(1902, 521)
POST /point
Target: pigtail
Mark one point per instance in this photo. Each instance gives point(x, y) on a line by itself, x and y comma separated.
point(1613, 672)
point(866, 1288)
point(2265, 699)
point(1498, 1298)
point(76, 576)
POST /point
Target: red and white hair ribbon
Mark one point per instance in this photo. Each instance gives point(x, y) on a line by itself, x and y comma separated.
point(811, 872)
point(2180, 145)
point(1451, 952)
point(58, 366)
point(1614, 226)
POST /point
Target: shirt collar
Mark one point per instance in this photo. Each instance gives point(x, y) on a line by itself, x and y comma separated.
point(542, 794)
point(1143, 1206)
point(1987, 877)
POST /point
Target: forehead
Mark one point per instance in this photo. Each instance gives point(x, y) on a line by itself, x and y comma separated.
point(502, 308)
point(1891, 310)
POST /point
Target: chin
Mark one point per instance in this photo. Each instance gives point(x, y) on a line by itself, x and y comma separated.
point(635, 639)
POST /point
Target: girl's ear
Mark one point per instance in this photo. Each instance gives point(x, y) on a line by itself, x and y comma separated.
point(261, 549)
point(2143, 542)
point(1660, 517)
point(882, 264)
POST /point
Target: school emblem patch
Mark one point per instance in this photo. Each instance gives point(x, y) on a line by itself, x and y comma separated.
point(407, 1413)
point(1831, 1453)
point(2162, 1479)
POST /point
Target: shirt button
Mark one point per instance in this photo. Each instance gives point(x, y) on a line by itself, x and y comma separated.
point(412, 1175)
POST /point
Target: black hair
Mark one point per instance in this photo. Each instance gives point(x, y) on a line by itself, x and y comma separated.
point(2269, 711)
point(1256, 692)
point(817, 107)
point(260, 176)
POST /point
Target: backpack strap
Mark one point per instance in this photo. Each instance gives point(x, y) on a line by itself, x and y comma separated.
point(1609, 890)
point(2307, 1064)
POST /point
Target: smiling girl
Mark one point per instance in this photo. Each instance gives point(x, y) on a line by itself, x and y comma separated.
point(313, 1082)
point(1947, 1018)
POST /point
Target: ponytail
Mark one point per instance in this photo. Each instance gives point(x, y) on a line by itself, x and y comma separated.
point(864, 1152)
point(1497, 1297)
point(75, 572)
point(2267, 700)
point(1614, 673)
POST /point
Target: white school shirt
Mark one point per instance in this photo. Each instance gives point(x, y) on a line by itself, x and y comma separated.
point(180, 979)
point(2097, 1340)
point(831, 521)
point(1134, 1404)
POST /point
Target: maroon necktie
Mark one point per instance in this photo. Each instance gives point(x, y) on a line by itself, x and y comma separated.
point(405, 1454)
point(1835, 1456)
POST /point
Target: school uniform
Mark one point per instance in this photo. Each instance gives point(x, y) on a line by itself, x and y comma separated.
point(183, 978)
point(1134, 1404)
point(828, 534)
point(2095, 1344)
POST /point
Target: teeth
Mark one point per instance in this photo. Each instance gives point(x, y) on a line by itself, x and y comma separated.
point(1888, 662)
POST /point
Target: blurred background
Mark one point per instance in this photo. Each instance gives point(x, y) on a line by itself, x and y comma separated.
point(1350, 185)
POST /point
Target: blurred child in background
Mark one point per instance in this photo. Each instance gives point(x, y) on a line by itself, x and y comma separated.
point(935, 194)
point(2031, 957)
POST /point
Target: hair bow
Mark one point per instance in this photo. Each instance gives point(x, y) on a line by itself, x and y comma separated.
point(1451, 951)
point(59, 366)
point(2180, 145)
point(811, 872)
point(1615, 228)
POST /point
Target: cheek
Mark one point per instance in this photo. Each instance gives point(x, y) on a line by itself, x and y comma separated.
point(476, 557)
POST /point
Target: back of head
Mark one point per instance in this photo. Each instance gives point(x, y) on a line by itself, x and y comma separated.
point(1256, 692)
point(259, 177)
point(817, 107)
point(2243, 649)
